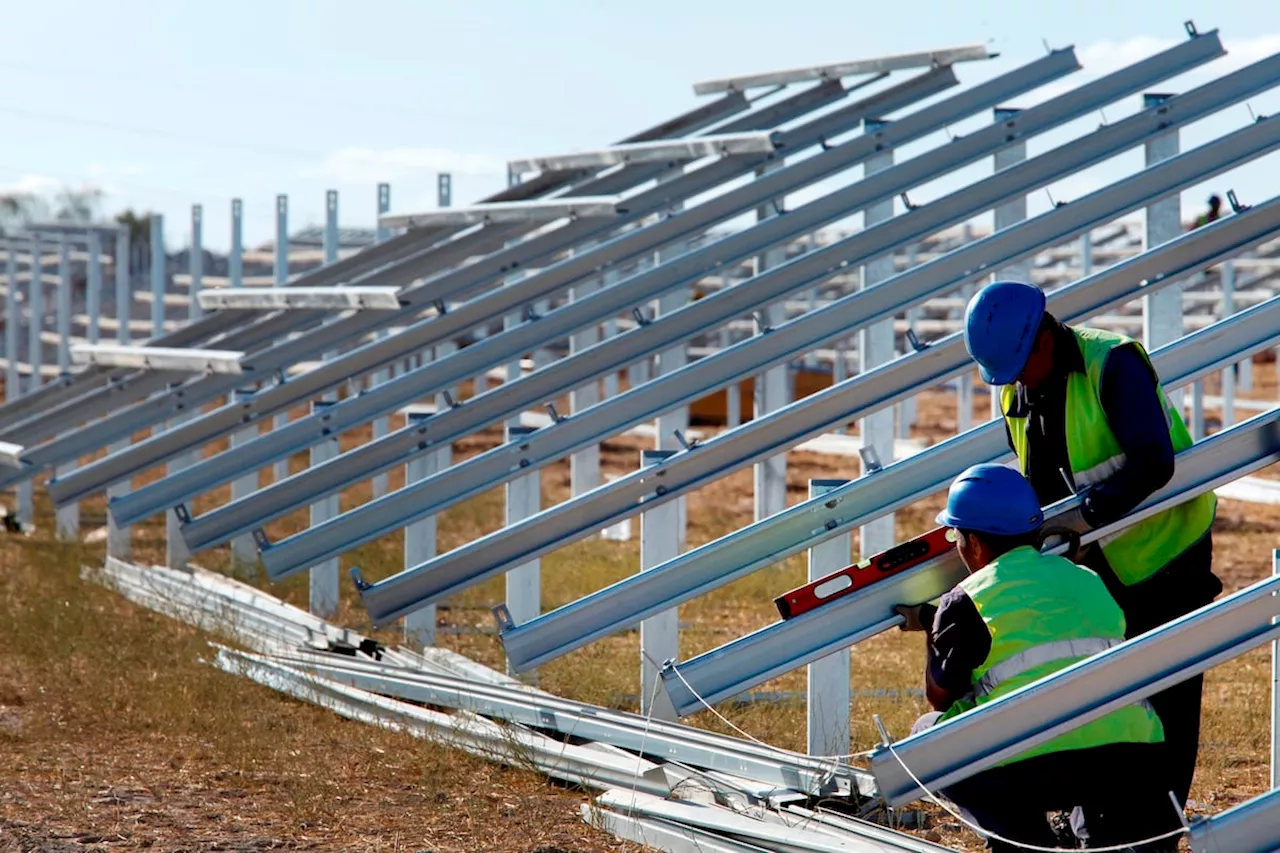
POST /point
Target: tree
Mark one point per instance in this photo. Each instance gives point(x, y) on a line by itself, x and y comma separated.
point(20, 209)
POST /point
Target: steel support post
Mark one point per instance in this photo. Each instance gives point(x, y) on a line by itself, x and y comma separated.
point(772, 388)
point(381, 426)
point(829, 691)
point(420, 535)
point(1162, 312)
point(66, 516)
point(660, 633)
point(281, 268)
point(906, 409)
point(1228, 274)
point(13, 328)
point(35, 345)
point(1275, 692)
point(93, 288)
point(584, 465)
point(323, 597)
point(177, 554)
point(733, 392)
point(120, 539)
point(673, 426)
point(244, 554)
point(524, 500)
point(1006, 215)
point(1197, 410)
point(875, 347)
point(323, 578)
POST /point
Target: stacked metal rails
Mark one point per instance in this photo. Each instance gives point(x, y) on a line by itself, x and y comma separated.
point(591, 239)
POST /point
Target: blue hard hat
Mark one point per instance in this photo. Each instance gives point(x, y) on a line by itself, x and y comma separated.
point(993, 499)
point(1000, 328)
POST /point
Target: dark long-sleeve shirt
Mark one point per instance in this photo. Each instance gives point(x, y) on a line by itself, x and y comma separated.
point(959, 642)
point(1134, 414)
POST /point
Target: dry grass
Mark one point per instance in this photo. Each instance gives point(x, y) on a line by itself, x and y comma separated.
point(113, 734)
point(110, 727)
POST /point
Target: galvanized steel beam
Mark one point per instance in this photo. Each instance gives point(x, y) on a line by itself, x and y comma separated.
point(448, 285)
point(782, 646)
point(389, 396)
point(645, 152)
point(1251, 827)
point(491, 468)
point(814, 521)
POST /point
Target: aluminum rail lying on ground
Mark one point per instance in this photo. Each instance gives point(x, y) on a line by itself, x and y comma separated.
point(797, 835)
point(782, 646)
point(577, 765)
point(500, 349)
point(158, 358)
point(295, 298)
point(618, 728)
point(1251, 827)
point(1122, 675)
point(876, 65)
point(737, 554)
point(462, 319)
point(539, 211)
point(645, 152)
point(431, 258)
point(687, 470)
point(368, 260)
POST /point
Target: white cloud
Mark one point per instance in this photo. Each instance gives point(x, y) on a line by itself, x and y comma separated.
point(368, 165)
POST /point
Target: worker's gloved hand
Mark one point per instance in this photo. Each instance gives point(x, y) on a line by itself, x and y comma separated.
point(1073, 519)
point(915, 616)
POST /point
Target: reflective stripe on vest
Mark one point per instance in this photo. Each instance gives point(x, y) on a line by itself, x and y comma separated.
point(1027, 659)
point(1139, 551)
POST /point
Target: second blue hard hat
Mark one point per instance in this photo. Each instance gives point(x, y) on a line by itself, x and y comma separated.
point(993, 499)
point(1000, 327)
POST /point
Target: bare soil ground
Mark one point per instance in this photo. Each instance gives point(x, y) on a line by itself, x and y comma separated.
point(113, 734)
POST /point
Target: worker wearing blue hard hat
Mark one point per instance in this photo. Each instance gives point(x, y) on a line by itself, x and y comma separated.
point(1084, 412)
point(1019, 616)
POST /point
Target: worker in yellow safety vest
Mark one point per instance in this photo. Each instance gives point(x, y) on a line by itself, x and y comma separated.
point(1084, 412)
point(1019, 616)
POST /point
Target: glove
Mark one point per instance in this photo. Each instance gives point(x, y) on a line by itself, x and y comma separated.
point(914, 615)
point(1073, 519)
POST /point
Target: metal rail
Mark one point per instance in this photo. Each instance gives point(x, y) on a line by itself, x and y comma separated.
point(450, 285)
point(346, 269)
point(783, 646)
point(495, 467)
point(1247, 828)
point(500, 349)
point(765, 436)
point(805, 525)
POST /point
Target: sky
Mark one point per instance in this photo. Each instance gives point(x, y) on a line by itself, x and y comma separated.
point(167, 103)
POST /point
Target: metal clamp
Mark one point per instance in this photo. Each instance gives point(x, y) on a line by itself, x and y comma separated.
point(916, 344)
point(530, 314)
point(641, 319)
point(448, 399)
point(1236, 206)
point(502, 616)
point(906, 201)
point(183, 514)
point(260, 540)
point(357, 578)
point(870, 459)
point(440, 307)
point(1190, 27)
point(684, 442)
point(556, 417)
